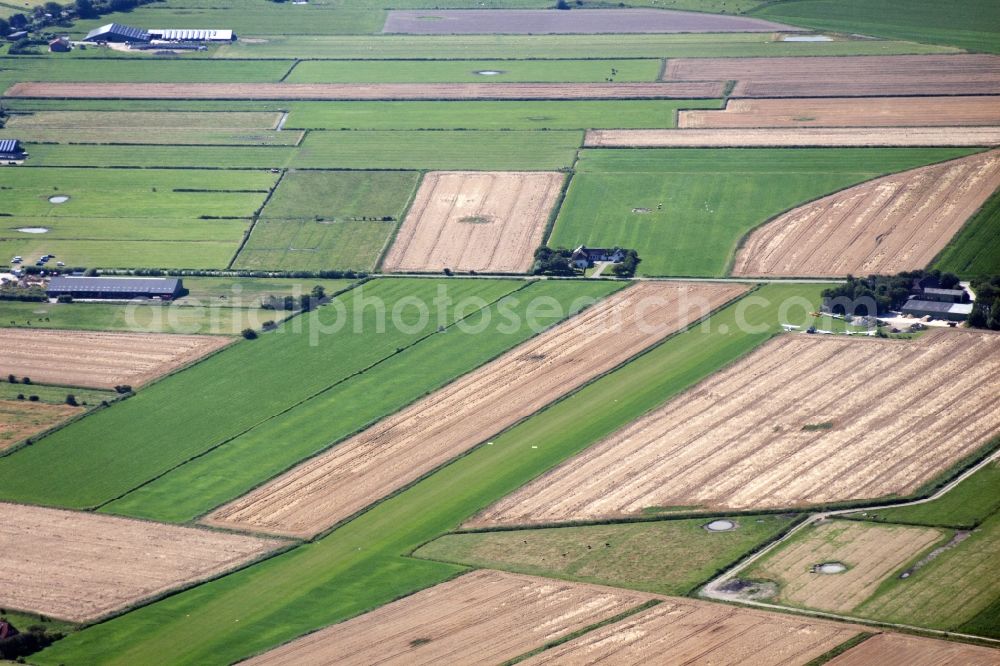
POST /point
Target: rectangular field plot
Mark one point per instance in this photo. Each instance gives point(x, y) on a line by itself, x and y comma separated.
point(82, 566)
point(795, 137)
point(914, 650)
point(23, 418)
point(974, 252)
point(685, 210)
point(203, 158)
point(847, 112)
point(681, 631)
point(474, 71)
point(486, 150)
point(109, 253)
point(294, 245)
point(481, 617)
point(786, 426)
point(491, 115)
point(869, 554)
point(888, 225)
point(339, 196)
point(142, 69)
point(99, 360)
point(846, 76)
point(473, 221)
point(400, 449)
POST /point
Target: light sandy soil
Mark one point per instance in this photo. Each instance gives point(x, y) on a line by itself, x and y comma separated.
point(21, 418)
point(685, 631)
point(489, 222)
point(887, 225)
point(484, 617)
point(794, 137)
point(99, 359)
point(82, 566)
point(871, 553)
point(882, 418)
point(845, 76)
point(401, 448)
point(372, 91)
point(902, 650)
point(847, 112)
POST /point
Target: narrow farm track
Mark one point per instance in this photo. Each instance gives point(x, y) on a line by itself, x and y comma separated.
point(795, 137)
point(400, 449)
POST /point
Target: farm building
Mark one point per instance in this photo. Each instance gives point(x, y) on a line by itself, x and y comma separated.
point(113, 287)
point(11, 150)
point(116, 32)
point(584, 257)
point(946, 310)
point(188, 35)
point(60, 45)
point(944, 295)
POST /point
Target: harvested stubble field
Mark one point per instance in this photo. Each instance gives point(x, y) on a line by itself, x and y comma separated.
point(794, 137)
point(371, 91)
point(400, 449)
point(484, 617)
point(544, 21)
point(99, 359)
point(875, 76)
point(891, 224)
point(870, 553)
point(82, 566)
point(685, 631)
point(23, 418)
point(802, 420)
point(475, 221)
point(847, 112)
point(903, 650)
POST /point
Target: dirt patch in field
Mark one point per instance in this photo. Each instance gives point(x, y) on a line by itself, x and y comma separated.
point(475, 221)
point(484, 617)
point(685, 631)
point(550, 22)
point(367, 91)
point(99, 359)
point(914, 651)
point(846, 76)
point(400, 449)
point(887, 225)
point(868, 553)
point(82, 566)
point(736, 439)
point(794, 137)
point(847, 112)
point(23, 418)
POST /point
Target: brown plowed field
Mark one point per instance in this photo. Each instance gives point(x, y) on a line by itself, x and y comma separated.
point(371, 91)
point(484, 617)
point(82, 566)
point(803, 420)
point(847, 112)
point(685, 631)
point(21, 418)
point(887, 225)
point(839, 76)
point(870, 552)
point(97, 359)
point(794, 137)
point(475, 221)
point(902, 650)
point(400, 449)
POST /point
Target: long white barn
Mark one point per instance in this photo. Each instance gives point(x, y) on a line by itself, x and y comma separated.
point(191, 35)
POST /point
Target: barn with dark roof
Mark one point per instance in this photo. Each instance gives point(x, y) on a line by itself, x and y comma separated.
point(116, 32)
point(11, 150)
point(114, 287)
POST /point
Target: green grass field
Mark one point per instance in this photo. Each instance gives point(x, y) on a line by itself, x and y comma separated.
point(968, 24)
point(195, 137)
point(362, 564)
point(307, 245)
point(710, 197)
point(221, 397)
point(341, 195)
point(671, 557)
point(53, 395)
point(139, 69)
point(214, 158)
point(479, 150)
point(144, 120)
point(127, 254)
point(975, 251)
point(570, 114)
point(442, 71)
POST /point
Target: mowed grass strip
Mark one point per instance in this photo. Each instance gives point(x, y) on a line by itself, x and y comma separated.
point(474, 149)
point(214, 158)
point(154, 136)
point(205, 254)
point(294, 245)
point(685, 210)
point(351, 406)
point(143, 69)
point(667, 557)
point(975, 250)
point(490, 115)
point(359, 566)
point(189, 412)
point(474, 71)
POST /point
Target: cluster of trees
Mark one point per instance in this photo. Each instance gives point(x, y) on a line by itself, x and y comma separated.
point(628, 265)
point(13, 380)
point(59, 14)
point(28, 642)
point(986, 310)
point(889, 292)
point(550, 261)
point(193, 272)
point(305, 302)
point(11, 291)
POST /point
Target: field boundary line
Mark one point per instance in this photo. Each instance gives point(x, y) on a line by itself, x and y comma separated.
point(256, 216)
point(295, 63)
point(391, 240)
